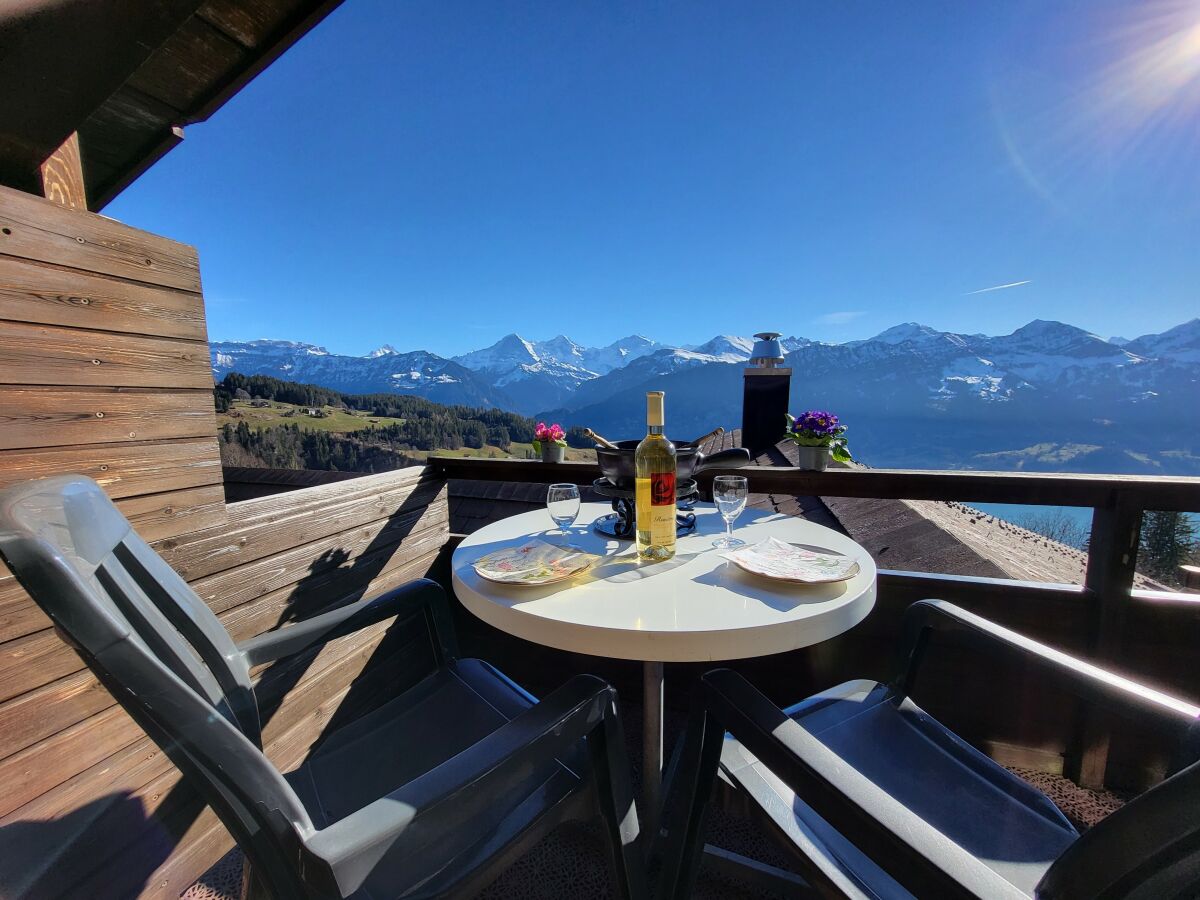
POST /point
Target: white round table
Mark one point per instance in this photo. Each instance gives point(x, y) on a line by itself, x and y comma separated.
point(697, 607)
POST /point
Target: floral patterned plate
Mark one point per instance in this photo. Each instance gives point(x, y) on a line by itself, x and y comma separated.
point(773, 558)
point(536, 562)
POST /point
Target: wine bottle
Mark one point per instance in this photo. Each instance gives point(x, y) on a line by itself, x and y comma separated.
point(654, 465)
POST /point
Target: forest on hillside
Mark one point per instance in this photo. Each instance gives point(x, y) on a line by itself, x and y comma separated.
point(422, 426)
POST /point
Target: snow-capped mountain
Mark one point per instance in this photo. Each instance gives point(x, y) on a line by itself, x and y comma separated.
point(383, 370)
point(1180, 344)
point(916, 396)
point(534, 375)
point(913, 394)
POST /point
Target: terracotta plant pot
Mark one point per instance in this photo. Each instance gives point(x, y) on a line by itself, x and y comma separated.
point(815, 459)
point(553, 452)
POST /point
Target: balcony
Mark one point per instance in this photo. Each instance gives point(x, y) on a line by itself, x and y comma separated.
point(104, 362)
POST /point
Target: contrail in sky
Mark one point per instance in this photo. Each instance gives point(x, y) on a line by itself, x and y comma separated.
point(998, 287)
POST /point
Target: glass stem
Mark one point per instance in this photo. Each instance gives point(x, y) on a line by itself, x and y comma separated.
point(728, 531)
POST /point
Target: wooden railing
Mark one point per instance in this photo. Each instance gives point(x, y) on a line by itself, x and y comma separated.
point(1106, 594)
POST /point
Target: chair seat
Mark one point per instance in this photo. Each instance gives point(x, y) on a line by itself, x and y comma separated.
point(1006, 824)
point(447, 712)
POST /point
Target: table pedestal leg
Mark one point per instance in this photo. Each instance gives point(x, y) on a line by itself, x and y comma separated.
point(652, 743)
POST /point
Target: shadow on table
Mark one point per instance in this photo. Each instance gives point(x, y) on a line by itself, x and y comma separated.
point(781, 596)
point(620, 563)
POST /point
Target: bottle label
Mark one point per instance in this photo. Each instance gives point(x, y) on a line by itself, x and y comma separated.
point(656, 507)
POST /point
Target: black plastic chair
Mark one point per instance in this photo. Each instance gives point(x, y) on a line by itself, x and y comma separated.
point(429, 795)
point(877, 799)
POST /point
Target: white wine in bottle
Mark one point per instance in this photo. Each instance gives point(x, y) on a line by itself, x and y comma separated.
point(654, 462)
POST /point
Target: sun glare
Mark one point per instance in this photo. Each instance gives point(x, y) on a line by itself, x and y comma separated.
point(1106, 93)
point(1160, 72)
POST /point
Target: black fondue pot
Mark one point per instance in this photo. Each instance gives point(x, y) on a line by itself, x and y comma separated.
point(617, 465)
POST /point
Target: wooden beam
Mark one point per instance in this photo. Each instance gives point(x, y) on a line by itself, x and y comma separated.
point(1108, 582)
point(167, 141)
point(1038, 488)
point(62, 175)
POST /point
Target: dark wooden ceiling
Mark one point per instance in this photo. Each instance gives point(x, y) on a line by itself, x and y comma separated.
point(128, 76)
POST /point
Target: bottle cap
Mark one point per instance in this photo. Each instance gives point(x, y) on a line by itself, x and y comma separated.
point(654, 408)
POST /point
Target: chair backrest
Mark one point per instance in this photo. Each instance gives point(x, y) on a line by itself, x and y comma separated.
point(159, 650)
point(1147, 849)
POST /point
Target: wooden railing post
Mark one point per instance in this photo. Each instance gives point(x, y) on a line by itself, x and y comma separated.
point(1108, 581)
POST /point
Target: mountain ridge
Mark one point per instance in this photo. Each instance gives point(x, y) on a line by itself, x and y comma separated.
point(955, 395)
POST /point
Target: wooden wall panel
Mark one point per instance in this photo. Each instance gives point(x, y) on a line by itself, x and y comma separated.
point(123, 470)
point(49, 354)
point(104, 363)
point(32, 228)
point(104, 371)
point(49, 295)
point(53, 417)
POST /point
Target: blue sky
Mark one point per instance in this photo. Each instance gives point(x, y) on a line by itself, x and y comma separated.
point(436, 174)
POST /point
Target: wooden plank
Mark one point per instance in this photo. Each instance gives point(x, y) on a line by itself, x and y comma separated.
point(127, 117)
point(174, 513)
point(153, 516)
point(184, 70)
point(33, 228)
point(517, 470)
point(43, 417)
point(49, 295)
point(269, 525)
point(61, 666)
point(317, 499)
point(50, 354)
point(203, 553)
point(19, 615)
point(371, 575)
point(123, 470)
point(234, 587)
point(62, 175)
point(1112, 558)
point(26, 774)
point(37, 715)
point(239, 543)
point(32, 661)
point(250, 24)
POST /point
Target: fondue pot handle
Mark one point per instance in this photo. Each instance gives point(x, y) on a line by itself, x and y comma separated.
point(733, 458)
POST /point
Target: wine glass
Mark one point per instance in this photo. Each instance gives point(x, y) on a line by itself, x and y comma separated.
point(562, 502)
point(729, 492)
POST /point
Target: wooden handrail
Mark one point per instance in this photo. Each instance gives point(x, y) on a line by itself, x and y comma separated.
point(1036, 488)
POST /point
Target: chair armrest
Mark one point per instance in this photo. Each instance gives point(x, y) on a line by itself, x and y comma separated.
point(917, 855)
point(345, 620)
point(441, 804)
point(1082, 678)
